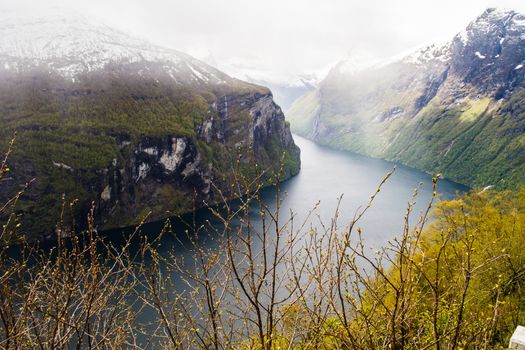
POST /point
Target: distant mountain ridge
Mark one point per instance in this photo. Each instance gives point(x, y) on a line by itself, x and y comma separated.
point(455, 108)
point(135, 128)
point(71, 43)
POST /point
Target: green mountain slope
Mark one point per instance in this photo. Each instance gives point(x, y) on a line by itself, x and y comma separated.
point(130, 136)
point(455, 108)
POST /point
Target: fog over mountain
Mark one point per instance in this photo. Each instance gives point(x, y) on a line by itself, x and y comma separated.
point(278, 41)
point(241, 174)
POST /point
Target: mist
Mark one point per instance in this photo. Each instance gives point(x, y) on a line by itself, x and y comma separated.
point(278, 41)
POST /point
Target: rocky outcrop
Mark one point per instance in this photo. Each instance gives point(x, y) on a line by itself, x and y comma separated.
point(127, 175)
point(143, 174)
point(487, 52)
point(147, 173)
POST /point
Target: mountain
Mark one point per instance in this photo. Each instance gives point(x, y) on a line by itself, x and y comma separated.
point(106, 118)
point(69, 44)
point(456, 108)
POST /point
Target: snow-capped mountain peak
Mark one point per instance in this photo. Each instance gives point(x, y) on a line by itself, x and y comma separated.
point(430, 53)
point(493, 20)
point(71, 43)
point(494, 24)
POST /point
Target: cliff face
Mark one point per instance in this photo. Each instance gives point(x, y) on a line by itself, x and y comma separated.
point(148, 131)
point(165, 175)
point(455, 108)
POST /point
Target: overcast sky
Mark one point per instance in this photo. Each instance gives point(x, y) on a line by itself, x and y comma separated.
point(280, 39)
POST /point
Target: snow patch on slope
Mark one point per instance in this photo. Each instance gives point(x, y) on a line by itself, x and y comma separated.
point(479, 55)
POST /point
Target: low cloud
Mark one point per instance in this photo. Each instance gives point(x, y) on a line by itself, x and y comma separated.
point(282, 39)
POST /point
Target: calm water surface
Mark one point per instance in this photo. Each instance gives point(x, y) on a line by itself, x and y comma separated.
point(326, 175)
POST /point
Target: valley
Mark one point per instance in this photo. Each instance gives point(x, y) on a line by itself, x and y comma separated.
point(150, 200)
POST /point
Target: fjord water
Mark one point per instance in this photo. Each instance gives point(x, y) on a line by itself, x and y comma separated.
point(326, 176)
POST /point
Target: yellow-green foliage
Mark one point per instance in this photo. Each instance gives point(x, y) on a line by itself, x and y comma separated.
point(474, 109)
point(458, 285)
point(463, 278)
point(490, 227)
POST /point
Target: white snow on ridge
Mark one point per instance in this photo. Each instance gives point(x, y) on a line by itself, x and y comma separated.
point(463, 36)
point(434, 52)
point(71, 43)
point(198, 74)
point(305, 80)
point(487, 22)
point(519, 66)
point(495, 15)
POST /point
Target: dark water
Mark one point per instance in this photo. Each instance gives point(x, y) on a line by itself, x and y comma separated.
point(325, 176)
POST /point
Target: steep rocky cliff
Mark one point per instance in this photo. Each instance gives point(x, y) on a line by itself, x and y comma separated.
point(456, 108)
point(133, 128)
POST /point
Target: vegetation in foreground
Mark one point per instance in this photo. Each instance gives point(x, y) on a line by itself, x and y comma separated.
point(273, 283)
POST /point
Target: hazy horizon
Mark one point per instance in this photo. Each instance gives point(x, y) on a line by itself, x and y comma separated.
point(277, 42)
